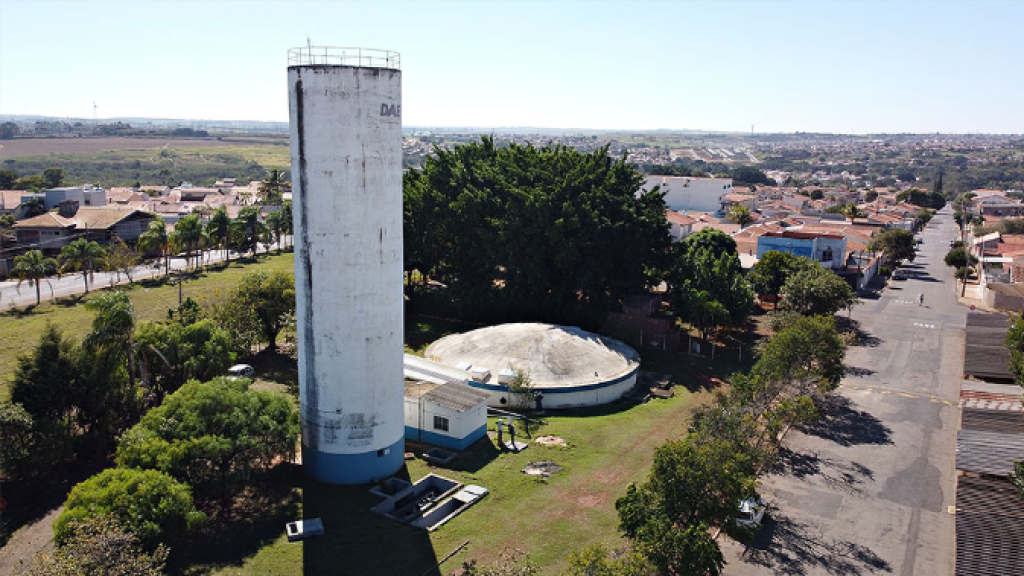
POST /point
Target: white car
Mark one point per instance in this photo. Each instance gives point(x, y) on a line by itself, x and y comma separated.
point(241, 371)
point(751, 512)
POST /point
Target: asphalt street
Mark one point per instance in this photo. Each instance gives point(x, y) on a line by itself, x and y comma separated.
point(867, 488)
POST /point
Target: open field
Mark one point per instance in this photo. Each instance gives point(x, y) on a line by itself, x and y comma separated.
point(20, 328)
point(125, 161)
point(42, 146)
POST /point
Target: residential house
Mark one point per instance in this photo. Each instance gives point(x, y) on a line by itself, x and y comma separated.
point(680, 224)
point(825, 248)
point(52, 231)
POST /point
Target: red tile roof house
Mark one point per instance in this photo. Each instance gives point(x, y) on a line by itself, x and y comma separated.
point(52, 231)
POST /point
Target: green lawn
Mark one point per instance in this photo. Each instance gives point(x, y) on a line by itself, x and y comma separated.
point(609, 447)
point(20, 328)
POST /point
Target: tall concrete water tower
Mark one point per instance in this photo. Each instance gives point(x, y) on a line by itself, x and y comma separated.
point(346, 142)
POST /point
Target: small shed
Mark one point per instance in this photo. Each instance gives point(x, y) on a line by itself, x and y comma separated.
point(449, 414)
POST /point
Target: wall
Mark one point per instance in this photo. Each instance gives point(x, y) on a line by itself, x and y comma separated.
point(1003, 301)
point(684, 193)
point(568, 397)
point(464, 428)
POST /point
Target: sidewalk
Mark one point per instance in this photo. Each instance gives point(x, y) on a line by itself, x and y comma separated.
point(973, 298)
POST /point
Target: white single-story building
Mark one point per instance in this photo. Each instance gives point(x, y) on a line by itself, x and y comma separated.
point(440, 408)
point(451, 415)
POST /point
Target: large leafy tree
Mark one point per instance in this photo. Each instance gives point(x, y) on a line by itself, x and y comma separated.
point(261, 304)
point(34, 267)
point(213, 435)
point(156, 239)
point(741, 215)
point(816, 291)
point(149, 503)
point(175, 353)
point(808, 355)
point(694, 483)
point(45, 380)
point(773, 269)
point(83, 255)
point(53, 177)
point(522, 232)
point(894, 244)
point(33, 206)
point(706, 284)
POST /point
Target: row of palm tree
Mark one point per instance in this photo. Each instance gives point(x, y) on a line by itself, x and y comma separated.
point(192, 235)
point(81, 255)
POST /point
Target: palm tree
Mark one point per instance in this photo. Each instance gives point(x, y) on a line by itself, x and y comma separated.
point(33, 266)
point(275, 224)
point(250, 217)
point(219, 227)
point(270, 188)
point(113, 325)
point(851, 211)
point(156, 239)
point(81, 255)
point(187, 235)
point(741, 215)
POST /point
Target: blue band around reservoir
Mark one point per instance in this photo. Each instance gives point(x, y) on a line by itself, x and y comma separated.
point(359, 468)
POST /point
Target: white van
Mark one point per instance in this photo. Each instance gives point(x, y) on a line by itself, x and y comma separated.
point(241, 371)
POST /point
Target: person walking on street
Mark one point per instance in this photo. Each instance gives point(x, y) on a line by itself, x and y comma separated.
point(920, 299)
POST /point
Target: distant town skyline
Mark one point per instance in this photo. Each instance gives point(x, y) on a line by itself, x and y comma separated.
point(828, 66)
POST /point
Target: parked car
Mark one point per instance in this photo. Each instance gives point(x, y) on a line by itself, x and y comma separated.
point(241, 371)
point(898, 275)
point(751, 513)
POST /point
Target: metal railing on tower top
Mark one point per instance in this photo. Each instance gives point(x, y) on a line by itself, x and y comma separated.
point(337, 56)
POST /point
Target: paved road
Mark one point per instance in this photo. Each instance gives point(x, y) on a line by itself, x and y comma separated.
point(866, 490)
point(11, 295)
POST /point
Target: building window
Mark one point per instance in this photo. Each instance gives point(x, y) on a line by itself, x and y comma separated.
point(440, 423)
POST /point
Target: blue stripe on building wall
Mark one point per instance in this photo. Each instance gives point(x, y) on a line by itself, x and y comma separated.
point(451, 442)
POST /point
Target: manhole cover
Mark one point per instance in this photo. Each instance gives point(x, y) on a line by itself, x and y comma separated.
point(544, 469)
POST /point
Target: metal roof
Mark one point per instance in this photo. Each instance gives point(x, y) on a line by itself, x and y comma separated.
point(456, 396)
point(985, 353)
point(989, 528)
point(988, 452)
point(1004, 422)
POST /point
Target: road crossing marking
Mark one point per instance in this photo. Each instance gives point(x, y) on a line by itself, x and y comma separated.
point(924, 325)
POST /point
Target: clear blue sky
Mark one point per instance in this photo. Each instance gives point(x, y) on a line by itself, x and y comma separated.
point(825, 65)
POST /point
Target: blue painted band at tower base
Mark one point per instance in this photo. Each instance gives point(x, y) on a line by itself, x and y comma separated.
point(361, 468)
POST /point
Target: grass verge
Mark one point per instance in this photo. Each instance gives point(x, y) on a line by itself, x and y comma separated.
point(20, 328)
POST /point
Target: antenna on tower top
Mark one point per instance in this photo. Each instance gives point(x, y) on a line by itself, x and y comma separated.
point(94, 120)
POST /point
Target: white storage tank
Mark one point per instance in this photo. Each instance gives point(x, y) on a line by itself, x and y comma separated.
point(345, 108)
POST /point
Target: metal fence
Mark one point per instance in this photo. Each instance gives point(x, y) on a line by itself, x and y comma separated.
point(338, 56)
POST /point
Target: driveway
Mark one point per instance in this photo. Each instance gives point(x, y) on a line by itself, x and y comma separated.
point(867, 488)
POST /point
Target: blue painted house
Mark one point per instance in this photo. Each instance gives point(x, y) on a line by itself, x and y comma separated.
point(826, 248)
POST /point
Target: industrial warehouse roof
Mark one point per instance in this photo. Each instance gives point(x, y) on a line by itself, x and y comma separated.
point(985, 354)
point(989, 527)
point(553, 356)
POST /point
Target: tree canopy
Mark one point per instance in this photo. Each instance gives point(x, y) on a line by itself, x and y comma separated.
point(172, 354)
point(98, 546)
point(521, 232)
point(150, 504)
point(773, 269)
point(706, 284)
point(815, 290)
point(212, 435)
point(894, 244)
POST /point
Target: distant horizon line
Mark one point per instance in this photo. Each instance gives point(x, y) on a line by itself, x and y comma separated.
point(506, 129)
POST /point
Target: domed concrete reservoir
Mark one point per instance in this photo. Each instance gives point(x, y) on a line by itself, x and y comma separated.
point(568, 366)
